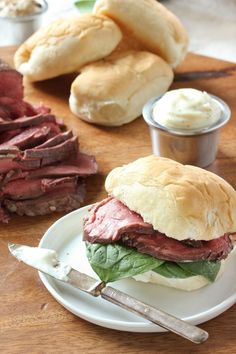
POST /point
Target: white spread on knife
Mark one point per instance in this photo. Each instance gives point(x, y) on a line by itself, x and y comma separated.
point(44, 260)
point(186, 109)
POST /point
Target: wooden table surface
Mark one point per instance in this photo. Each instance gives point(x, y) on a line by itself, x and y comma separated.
point(31, 321)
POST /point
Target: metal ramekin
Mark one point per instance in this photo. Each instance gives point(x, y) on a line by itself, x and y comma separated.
point(15, 30)
point(192, 147)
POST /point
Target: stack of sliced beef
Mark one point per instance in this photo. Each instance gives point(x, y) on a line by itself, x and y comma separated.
point(41, 167)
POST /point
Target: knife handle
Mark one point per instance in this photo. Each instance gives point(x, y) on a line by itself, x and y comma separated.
point(154, 315)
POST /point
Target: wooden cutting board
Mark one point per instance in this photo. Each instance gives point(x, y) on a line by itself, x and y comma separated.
point(31, 321)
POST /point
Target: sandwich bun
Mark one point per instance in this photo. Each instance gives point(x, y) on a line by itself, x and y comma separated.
point(146, 21)
point(66, 45)
point(181, 201)
point(113, 91)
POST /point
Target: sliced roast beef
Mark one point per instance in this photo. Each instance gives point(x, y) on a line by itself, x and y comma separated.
point(63, 200)
point(160, 246)
point(27, 122)
point(58, 139)
point(53, 154)
point(35, 158)
point(12, 175)
point(21, 189)
point(8, 135)
point(8, 164)
point(41, 168)
point(112, 221)
point(42, 109)
point(9, 151)
point(29, 137)
point(87, 164)
point(10, 82)
point(11, 108)
point(83, 165)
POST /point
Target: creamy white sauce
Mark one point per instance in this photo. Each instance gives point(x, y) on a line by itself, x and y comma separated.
point(188, 284)
point(44, 260)
point(186, 109)
point(14, 8)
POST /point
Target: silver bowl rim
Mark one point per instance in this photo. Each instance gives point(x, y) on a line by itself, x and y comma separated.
point(225, 116)
point(44, 8)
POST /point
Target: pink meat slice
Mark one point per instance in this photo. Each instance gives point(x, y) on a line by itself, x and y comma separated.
point(55, 140)
point(21, 189)
point(11, 82)
point(29, 137)
point(23, 122)
point(8, 135)
point(111, 221)
point(12, 108)
point(63, 200)
point(83, 165)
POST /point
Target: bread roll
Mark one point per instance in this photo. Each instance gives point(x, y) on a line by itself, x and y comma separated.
point(113, 91)
point(183, 202)
point(66, 45)
point(150, 23)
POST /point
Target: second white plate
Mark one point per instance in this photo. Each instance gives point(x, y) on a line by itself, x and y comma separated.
point(65, 236)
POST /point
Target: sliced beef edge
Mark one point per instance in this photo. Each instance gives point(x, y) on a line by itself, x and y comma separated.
point(41, 167)
point(111, 221)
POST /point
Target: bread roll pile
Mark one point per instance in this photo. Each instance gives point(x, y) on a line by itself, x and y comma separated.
point(125, 53)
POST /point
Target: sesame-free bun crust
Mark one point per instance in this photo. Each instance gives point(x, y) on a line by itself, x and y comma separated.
point(181, 201)
point(113, 91)
point(66, 45)
point(150, 23)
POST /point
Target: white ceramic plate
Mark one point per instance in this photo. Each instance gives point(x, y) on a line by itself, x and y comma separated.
point(65, 236)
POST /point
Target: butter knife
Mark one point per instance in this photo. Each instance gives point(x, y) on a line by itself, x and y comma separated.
point(46, 261)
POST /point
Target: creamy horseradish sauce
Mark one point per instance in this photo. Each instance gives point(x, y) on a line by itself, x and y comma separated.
point(186, 109)
point(44, 260)
point(13, 8)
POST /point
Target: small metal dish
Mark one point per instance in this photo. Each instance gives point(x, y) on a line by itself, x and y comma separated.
point(192, 147)
point(15, 30)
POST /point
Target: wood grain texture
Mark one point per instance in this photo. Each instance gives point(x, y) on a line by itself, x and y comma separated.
point(31, 321)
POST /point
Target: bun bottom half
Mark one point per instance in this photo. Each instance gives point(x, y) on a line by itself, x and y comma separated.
point(187, 284)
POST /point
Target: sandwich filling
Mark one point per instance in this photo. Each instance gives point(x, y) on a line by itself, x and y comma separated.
point(120, 244)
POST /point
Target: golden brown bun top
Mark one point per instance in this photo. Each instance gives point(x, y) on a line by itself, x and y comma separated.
point(181, 201)
point(156, 28)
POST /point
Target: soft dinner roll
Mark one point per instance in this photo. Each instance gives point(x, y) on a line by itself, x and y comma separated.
point(66, 45)
point(113, 91)
point(151, 23)
point(178, 200)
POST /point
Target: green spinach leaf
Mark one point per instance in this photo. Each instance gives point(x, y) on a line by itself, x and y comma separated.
point(172, 270)
point(113, 261)
point(207, 269)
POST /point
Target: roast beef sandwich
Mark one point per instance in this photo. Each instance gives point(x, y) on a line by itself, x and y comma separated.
point(164, 223)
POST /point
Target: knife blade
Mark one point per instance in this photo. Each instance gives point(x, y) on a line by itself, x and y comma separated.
point(46, 261)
